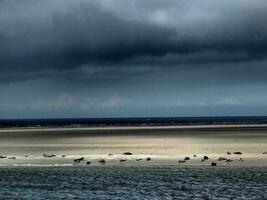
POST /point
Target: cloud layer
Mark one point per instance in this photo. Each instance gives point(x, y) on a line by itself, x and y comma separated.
point(114, 50)
point(41, 37)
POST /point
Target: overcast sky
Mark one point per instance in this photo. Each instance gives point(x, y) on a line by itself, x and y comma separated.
point(132, 58)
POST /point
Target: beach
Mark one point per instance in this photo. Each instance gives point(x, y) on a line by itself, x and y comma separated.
point(164, 145)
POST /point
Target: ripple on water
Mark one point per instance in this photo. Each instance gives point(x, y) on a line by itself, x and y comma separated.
point(125, 182)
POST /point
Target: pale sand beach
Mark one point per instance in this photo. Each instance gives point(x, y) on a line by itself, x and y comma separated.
point(164, 145)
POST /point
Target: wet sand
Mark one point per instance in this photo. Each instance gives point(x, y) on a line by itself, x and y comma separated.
point(164, 145)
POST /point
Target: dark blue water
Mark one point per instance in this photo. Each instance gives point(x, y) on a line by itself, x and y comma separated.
point(133, 121)
point(121, 182)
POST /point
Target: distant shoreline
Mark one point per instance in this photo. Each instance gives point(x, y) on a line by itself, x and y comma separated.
point(130, 122)
point(102, 128)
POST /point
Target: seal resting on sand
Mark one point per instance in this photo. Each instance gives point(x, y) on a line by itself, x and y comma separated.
point(237, 152)
point(127, 153)
point(181, 161)
point(213, 164)
point(186, 158)
point(123, 160)
point(49, 155)
point(1, 156)
point(102, 161)
point(139, 159)
point(205, 157)
point(78, 160)
point(222, 158)
point(148, 159)
point(88, 162)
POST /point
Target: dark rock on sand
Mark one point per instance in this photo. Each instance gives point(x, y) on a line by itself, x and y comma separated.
point(264, 152)
point(110, 154)
point(63, 156)
point(181, 161)
point(148, 159)
point(213, 164)
point(195, 155)
point(229, 153)
point(88, 162)
point(229, 160)
point(122, 160)
point(12, 158)
point(139, 159)
point(127, 153)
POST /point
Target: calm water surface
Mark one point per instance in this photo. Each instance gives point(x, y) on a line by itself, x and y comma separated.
point(125, 182)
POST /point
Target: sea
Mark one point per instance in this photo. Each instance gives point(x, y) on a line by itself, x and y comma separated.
point(132, 182)
point(141, 121)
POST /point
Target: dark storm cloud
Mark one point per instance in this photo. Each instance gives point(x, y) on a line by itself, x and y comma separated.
point(75, 34)
point(41, 39)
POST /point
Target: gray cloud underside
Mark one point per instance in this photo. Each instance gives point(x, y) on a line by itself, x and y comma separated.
point(117, 39)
